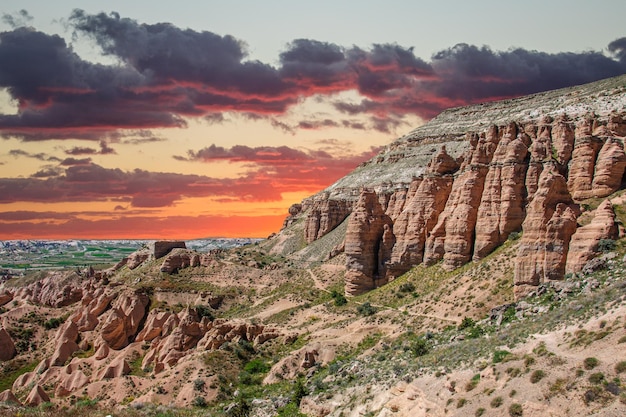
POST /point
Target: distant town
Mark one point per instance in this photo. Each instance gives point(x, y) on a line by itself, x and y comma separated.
point(20, 256)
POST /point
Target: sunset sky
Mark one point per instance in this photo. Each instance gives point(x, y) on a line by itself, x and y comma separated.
point(194, 119)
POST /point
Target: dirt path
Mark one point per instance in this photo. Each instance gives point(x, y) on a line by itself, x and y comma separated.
point(320, 286)
point(318, 283)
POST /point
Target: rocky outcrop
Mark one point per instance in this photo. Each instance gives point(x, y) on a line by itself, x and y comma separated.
point(137, 258)
point(66, 338)
point(585, 243)
point(8, 397)
point(56, 290)
point(125, 316)
point(502, 206)
point(69, 381)
point(117, 368)
point(609, 168)
point(93, 305)
point(369, 239)
point(294, 211)
point(7, 347)
point(462, 206)
point(36, 396)
point(324, 216)
point(154, 325)
point(420, 214)
point(451, 238)
point(549, 225)
point(5, 297)
point(178, 259)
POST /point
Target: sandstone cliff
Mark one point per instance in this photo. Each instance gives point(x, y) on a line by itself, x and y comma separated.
point(455, 189)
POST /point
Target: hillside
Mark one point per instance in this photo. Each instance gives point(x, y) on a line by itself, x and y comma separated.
point(476, 266)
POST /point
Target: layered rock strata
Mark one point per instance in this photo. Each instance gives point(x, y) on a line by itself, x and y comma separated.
point(473, 183)
point(585, 243)
point(368, 244)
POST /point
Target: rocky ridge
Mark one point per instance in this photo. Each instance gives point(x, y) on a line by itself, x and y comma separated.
point(456, 188)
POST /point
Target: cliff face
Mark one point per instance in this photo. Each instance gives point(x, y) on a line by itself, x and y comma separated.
point(456, 188)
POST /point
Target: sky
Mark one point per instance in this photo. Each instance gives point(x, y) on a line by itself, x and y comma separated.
point(154, 120)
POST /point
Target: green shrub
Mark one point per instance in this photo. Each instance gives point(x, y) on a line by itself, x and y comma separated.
point(606, 245)
point(198, 384)
point(537, 376)
point(239, 409)
point(596, 378)
point(299, 392)
point(479, 412)
point(472, 383)
point(620, 367)
point(461, 402)
point(475, 332)
point(515, 410)
point(338, 298)
point(204, 311)
point(406, 287)
point(53, 323)
point(496, 402)
point(590, 363)
point(466, 323)
point(199, 402)
point(290, 410)
point(419, 347)
point(256, 366)
point(366, 309)
point(499, 355)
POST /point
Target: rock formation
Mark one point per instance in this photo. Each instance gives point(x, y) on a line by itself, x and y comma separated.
point(178, 259)
point(8, 397)
point(324, 216)
point(37, 396)
point(5, 297)
point(368, 244)
point(7, 347)
point(421, 213)
point(586, 241)
point(122, 324)
point(493, 169)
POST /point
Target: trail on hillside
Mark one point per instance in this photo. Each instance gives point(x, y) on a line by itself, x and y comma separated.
point(320, 286)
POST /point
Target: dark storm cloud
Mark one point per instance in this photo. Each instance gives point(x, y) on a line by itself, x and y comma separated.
point(471, 73)
point(165, 73)
point(618, 49)
point(86, 182)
